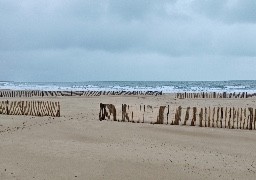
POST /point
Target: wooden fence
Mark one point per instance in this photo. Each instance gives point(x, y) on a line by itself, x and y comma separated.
point(215, 117)
point(9, 93)
point(30, 108)
point(189, 95)
point(219, 117)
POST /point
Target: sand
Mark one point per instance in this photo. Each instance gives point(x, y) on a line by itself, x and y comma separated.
point(79, 146)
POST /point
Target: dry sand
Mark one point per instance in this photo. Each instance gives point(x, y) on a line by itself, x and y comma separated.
point(79, 146)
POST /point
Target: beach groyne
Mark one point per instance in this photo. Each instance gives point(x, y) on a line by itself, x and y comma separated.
point(194, 95)
point(30, 108)
point(214, 117)
point(11, 93)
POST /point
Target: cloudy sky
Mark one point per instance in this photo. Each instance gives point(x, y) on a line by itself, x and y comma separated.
point(82, 40)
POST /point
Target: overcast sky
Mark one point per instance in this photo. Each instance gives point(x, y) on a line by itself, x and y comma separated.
point(82, 40)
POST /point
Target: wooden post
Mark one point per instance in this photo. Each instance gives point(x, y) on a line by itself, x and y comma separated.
point(167, 115)
point(205, 117)
point(180, 108)
point(209, 117)
point(178, 115)
point(221, 116)
point(244, 118)
point(250, 117)
point(58, 110)
point(241, 118)
point(230, 112)
point(123, 113)
point(22, 107)
point(254, 118)
point(224, 95)
point(234, 117)
point(193, 122)
point(186, 116)
point(247, 120)
point(39, 108)
point(237, 118)
point(217, 121)
point(7, 108)
point(160, 119)
point(201, 118)
point(103, 110)
point(213, 117)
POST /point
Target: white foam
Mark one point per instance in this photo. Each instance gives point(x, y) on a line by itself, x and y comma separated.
point(91, 87)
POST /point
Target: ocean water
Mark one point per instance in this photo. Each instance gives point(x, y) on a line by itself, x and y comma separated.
point(164, 86)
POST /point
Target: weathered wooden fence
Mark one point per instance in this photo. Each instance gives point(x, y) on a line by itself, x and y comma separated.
point(186, 95)
point(9, 93)
point(215, 117)
point(130, 113)
point(30, 108)
point(219, 117)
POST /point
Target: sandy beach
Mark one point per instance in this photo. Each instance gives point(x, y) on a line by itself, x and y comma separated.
point(79, 146)
point(127, 90)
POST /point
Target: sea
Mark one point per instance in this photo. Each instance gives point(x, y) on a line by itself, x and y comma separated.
point(164, 86)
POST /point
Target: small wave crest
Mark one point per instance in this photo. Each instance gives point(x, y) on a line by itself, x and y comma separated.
point(164, 86)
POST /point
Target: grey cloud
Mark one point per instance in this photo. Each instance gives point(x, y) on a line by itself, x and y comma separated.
point(80, 65)
point(114, 35)
point(131, 10)
point(229, 11)
point(96, 25)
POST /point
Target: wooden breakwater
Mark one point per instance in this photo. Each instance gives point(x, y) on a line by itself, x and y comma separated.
point(10, 93)
point(189, 95)
point(214, 117)
point(30, 108)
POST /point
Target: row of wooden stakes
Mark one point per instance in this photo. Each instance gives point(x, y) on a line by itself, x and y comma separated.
point(215, 117)
point(30, 108)
point(9, 93)
point(189, 95)
point(219, 117)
